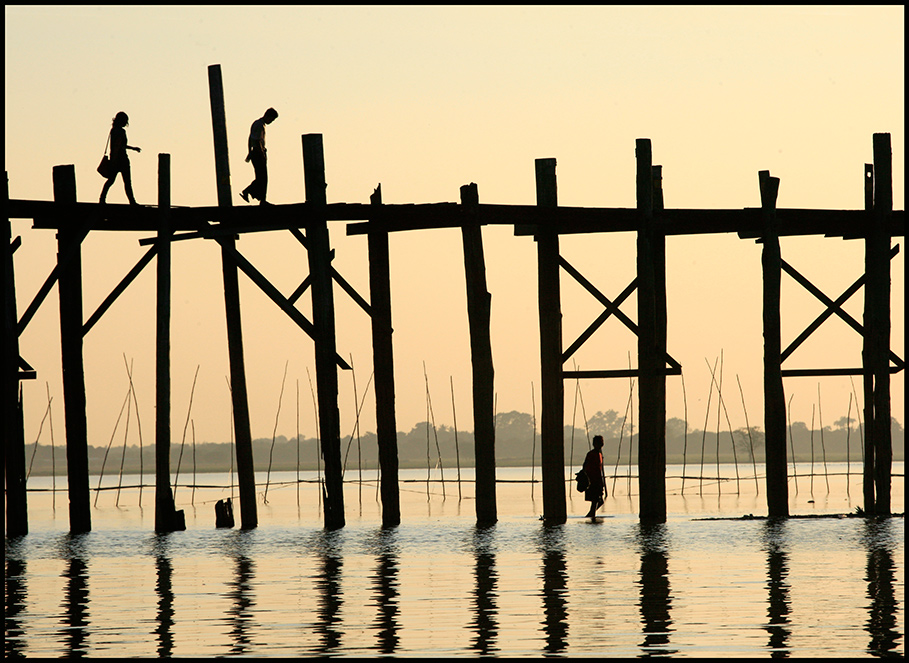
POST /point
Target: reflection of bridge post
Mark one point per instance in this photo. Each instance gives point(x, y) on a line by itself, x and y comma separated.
point(484, 622)
point(777, 589)
point(386, 584)
point(555, 591)
point(164, 589)
point(69, 262)
point(882, 624)
point(656, 599)
point(76, 601)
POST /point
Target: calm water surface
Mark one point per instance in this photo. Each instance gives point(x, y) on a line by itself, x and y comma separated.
point(439, 586)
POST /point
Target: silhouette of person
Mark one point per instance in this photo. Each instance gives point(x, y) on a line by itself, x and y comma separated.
point(593, 468)
point(257, 188)
point(119, 161)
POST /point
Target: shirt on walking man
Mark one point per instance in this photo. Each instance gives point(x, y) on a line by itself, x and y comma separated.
point(257, 154)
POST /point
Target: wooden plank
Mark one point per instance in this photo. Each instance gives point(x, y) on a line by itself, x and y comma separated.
point(69, 241)
point(774, 396)
point(552, 443)
point(479, 302)
point(383, 366)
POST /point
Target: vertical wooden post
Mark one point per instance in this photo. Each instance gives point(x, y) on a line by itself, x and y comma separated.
point(13, 434)
point(323, 318)
point(383, 365)
point(552, 415)
point(69, 238)
point(867, 349)
point(166, 519)
point(877, 289)
point(651, 359)
point(774, 396)
point(246, 476)
point(479, 302)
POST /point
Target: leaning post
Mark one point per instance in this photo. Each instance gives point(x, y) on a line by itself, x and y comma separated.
point(552, 415)
point(246, 476)
point(69, 238)
point(774, 396)
point(383, 365)
point(479, 302)
point(323, 318)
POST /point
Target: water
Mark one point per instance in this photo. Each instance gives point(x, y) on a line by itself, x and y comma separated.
point(438, 586)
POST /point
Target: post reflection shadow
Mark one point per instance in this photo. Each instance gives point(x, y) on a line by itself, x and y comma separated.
point(75, 596)
point(239, 615)
point(328, 585)
point(656, 598)
point(778, 600)
point(555, 588)
point(878, 538)
point(485, 623)
point(385, 581)
point(16, 596)
point(164, 589)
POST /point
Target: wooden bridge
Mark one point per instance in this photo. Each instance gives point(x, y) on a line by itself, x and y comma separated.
point(876, 225)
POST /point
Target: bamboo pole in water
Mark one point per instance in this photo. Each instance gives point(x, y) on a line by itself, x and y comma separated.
point(704, 432)
point(795, 472)
point(132, 390)
point(685, 445)
point(106, 451)
point(274, 433)
point(757, 485)
point(54, 453)
point(189, 410)
point(454, 417)
point(125, 436)
point(820, 420)
point(533, 448)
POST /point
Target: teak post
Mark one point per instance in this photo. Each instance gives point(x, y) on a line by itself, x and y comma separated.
point(877, 292)
point(479, 302)
point(166, 517)
point(552, 416)
point(651, 357)
point(13, 433)
point(867, 349)
point(383, 365)
point(774, 396)
point(246, 477)
point(323, 318)
point(69, 239)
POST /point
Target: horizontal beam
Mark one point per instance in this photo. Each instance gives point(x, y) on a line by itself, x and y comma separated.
point(400, 217)
point(618, 373)
point(822, 372)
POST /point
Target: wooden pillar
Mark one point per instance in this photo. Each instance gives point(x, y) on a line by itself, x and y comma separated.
point(166, 516)
point(867, 350)
point(479, 302)
point(323, 317)
point(774, 396)
point(69, 239)
point(246, 477)
point(651, 358)
point(877, 289)
point(13, 433)
point(383, 366)
point(552, 416)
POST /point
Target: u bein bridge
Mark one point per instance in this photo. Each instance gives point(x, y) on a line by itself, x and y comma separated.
point(876, 224)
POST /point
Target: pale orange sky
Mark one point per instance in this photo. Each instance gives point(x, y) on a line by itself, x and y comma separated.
point(424, 100)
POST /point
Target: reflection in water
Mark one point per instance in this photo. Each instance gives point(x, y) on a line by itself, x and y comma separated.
point(555, 588)
point(485, 623)
point(16, 594)
point(655, 596)
point(777, 588)
point(75, 599)
point(386, 585)
point(328, 584)
point(881, 624)
point(164, 589)
point(239, 615)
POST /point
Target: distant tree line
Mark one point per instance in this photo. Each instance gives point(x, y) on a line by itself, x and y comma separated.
point(517, 444)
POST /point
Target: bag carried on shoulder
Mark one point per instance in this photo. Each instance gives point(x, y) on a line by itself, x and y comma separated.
point(104, 166)
point(583, 481)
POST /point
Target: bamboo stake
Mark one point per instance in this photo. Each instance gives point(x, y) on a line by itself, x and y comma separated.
point(454, 418)
point(795, 472)
point(533, 448)
point(704, 432)
point(574, 411)
point(232, 450)
point(811, 491)
point(848, 431)
point(820, 420)
point(274, 434)
point(298, 439)
point(618, 455)
point(722, 403)
point(189, 410)
point(757, 485)
point(685, 445)
point(315, 408)
point(125, 437)
point(53, 451)
point(38, 438)
point(104, 462)
point(192, 498)
point(132, 390)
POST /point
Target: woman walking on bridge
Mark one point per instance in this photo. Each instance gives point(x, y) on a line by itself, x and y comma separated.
point(119, 161)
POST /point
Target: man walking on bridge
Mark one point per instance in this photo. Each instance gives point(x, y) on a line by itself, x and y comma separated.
point(257, 188)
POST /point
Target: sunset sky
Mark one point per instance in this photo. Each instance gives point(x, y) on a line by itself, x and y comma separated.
point(424, 100)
